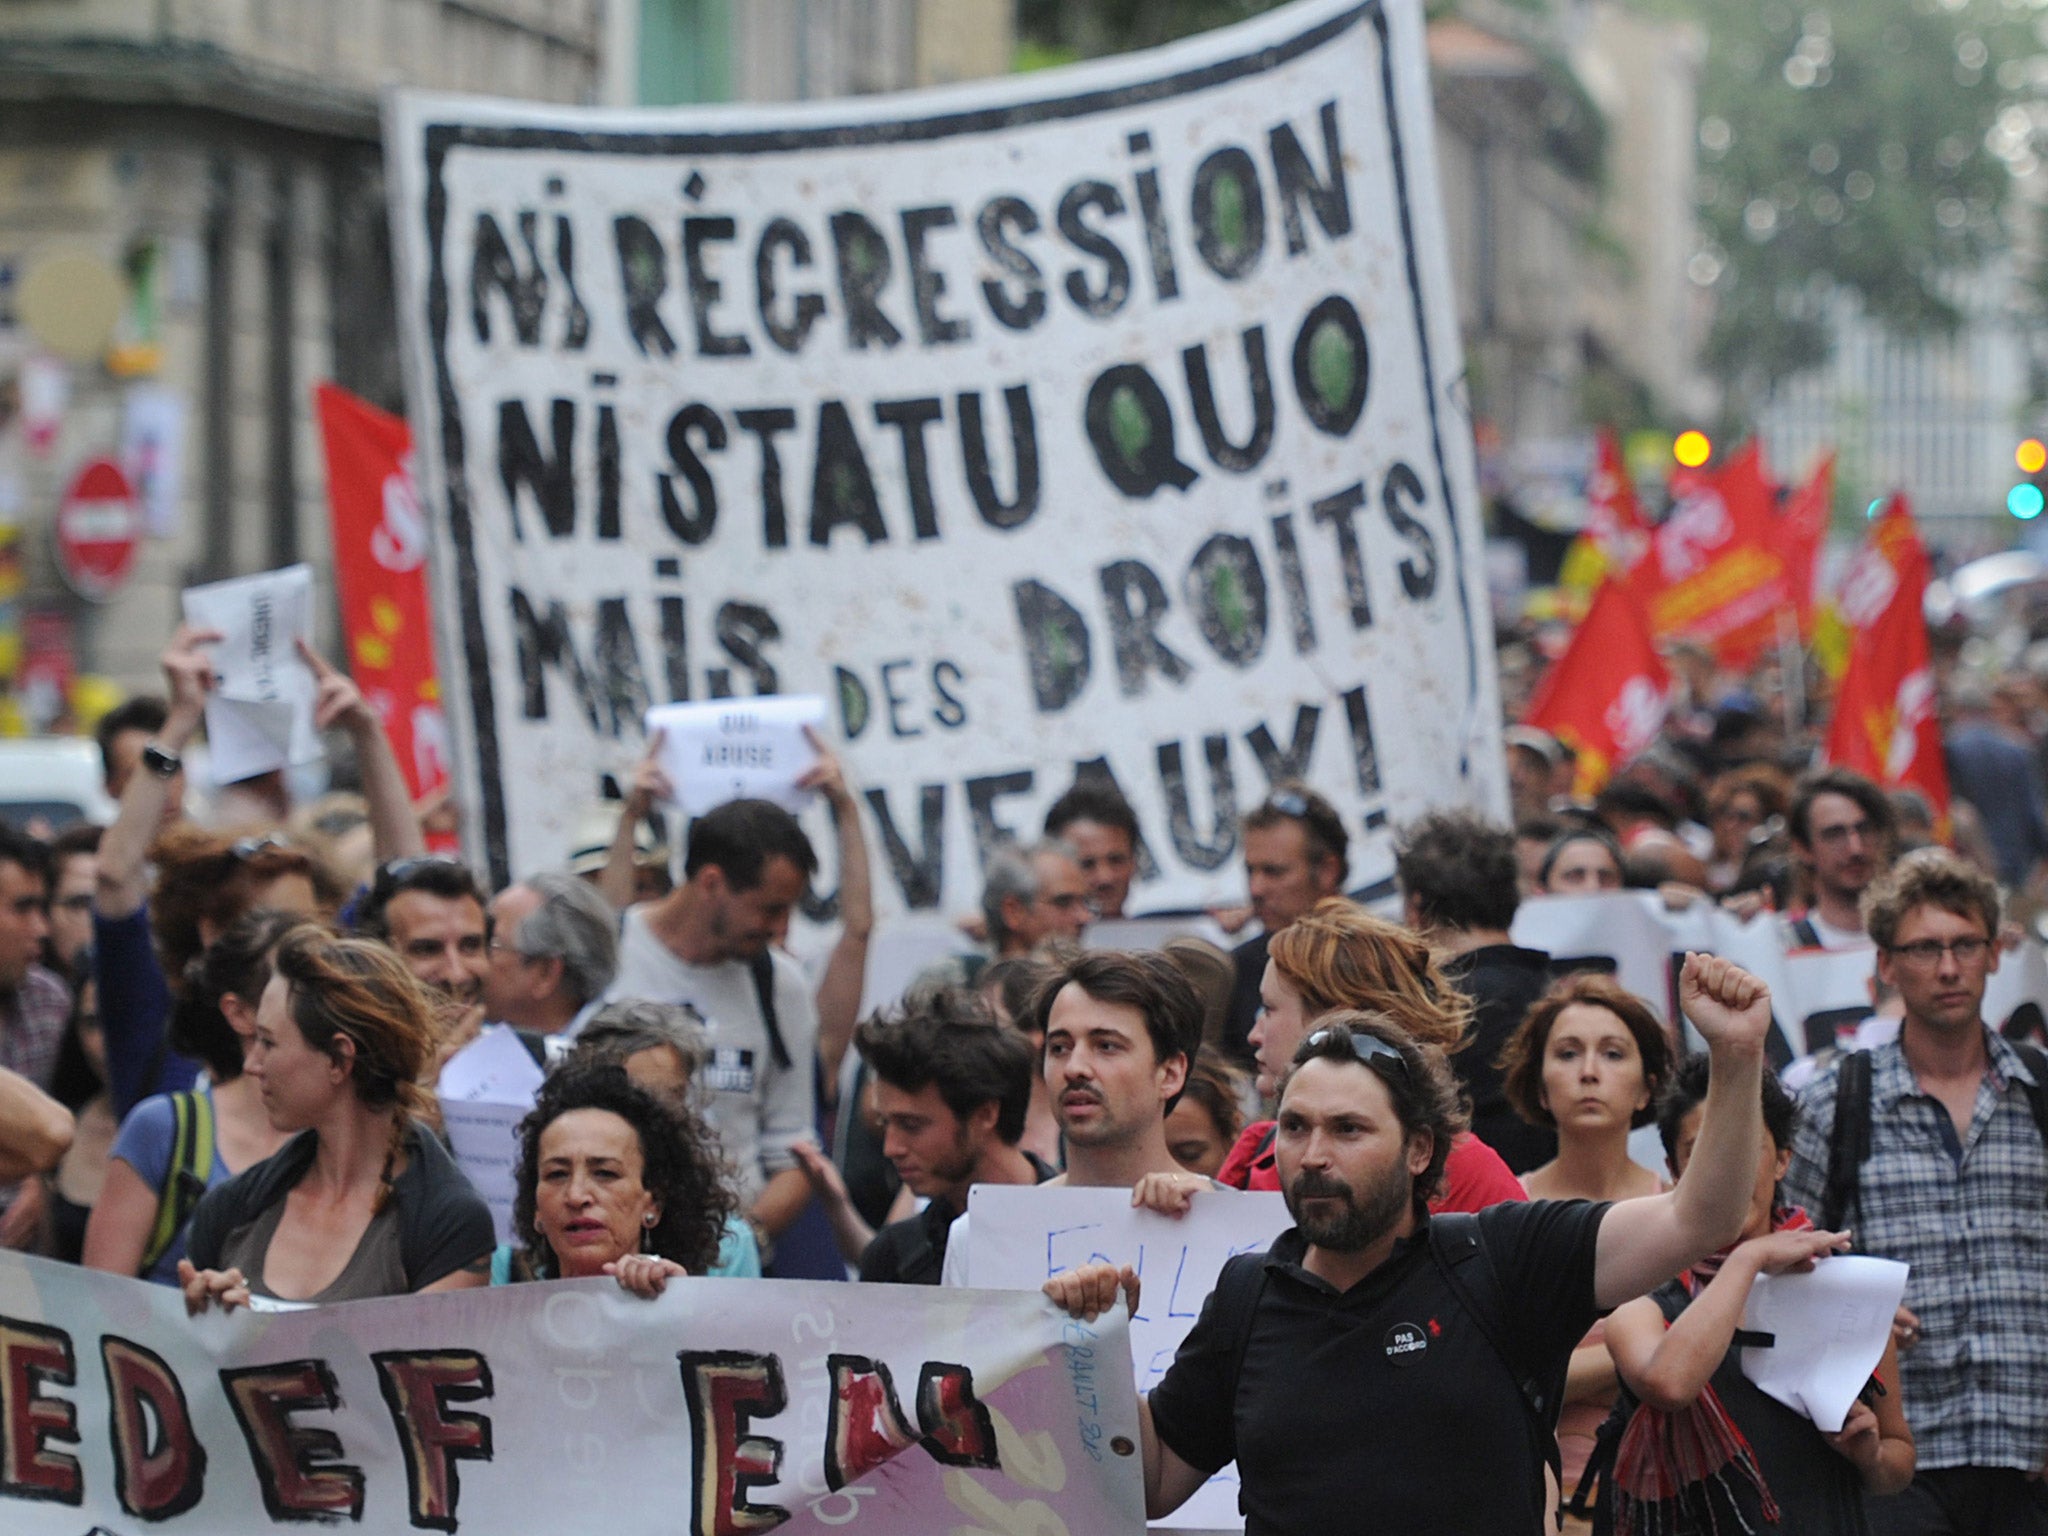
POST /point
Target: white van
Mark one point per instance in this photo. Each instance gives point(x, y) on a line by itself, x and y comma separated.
point(54, 780)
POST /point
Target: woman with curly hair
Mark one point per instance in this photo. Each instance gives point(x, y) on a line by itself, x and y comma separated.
point(614, 1181)
point(1339, 956)
point(362, 1201)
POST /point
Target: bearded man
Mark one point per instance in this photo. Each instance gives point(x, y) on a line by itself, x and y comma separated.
point(1380, 1369)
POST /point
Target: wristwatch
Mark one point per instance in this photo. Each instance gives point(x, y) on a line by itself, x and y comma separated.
point(159, 762)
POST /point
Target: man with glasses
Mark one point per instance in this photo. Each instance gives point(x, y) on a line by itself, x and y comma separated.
point(554, 949)
point(1842, 827)
point(1032, 896)
point(1295, 854)
point(1382, 1369)
point(1096, 821)
point(1952, 1178)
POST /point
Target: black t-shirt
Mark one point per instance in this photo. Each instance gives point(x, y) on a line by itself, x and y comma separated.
point(1502, 980)
point(913, 1251)
point(443, 1223)
point(1385, 1408)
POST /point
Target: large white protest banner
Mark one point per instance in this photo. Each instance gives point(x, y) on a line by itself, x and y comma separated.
point(570, 1409)
point(1099, 421)
point(1018, 1237)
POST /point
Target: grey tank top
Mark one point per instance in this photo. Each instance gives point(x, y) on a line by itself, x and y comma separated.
point(376, 1268)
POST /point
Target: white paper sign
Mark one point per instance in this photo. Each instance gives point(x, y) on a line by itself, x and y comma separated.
point(1019, 1237)
point(259, 716)
point(737, 749)
point(486, 1090)
point(1106, 417)
point(1829, 1329)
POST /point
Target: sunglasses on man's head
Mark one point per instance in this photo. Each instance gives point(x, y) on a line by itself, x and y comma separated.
point(396, 872)
point(1369, 1049)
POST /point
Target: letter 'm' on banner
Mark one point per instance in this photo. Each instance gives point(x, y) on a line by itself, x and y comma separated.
point(31, 1358)
point(957, 1428)
point(727, 1389)
point(296, 1467)
point(866, 1424)
point(418, 1386)
point(159, 1464)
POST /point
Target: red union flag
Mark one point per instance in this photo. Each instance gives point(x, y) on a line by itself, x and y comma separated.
point(1608, 693)
point(380, 549)
point(1885, 726)
point(1803, 528)
point(1717, 575)
point(1616, 526)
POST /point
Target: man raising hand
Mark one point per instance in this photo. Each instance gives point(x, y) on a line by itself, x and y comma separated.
point(1361, 1369)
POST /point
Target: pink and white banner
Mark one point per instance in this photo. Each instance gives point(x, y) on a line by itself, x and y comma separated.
point(722, 1408)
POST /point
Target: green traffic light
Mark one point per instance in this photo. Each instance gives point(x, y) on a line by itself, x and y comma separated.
point(2025, 501)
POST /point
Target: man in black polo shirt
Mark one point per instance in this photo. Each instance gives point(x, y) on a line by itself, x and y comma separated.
point(952, 1086)
point(1369, 1373)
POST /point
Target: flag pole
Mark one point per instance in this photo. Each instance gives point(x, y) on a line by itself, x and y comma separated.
point(1792, 670)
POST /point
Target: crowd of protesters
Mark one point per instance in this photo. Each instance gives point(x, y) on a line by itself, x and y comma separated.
point(220, 1043)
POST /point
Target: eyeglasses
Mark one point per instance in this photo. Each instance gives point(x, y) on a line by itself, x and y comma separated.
point(1925, 954)
point(1844, 831)
point(1369, 1049)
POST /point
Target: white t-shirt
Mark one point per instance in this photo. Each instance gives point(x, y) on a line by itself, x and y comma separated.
point(758, 1109)
point(1832, 937)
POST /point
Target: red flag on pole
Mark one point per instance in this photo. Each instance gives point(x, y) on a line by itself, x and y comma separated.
point(1885, 725)
point(1616, 525)
point(380, 550)
point(1607, 695)
point(1719, 575)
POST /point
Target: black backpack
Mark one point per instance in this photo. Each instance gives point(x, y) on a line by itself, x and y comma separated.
point(1849, 1140)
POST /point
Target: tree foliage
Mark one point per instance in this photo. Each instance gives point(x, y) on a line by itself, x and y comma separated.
point(1859, 148)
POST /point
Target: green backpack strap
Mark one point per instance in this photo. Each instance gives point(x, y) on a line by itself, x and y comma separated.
point(185, 1180)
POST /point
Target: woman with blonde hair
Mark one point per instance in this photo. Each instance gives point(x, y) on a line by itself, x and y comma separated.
point(1339, 956)
point(362, 1201)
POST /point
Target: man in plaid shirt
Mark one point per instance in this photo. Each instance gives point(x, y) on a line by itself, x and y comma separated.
point(1956, 1185)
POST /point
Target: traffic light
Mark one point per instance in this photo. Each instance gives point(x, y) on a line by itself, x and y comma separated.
point(1692, 449)
point(2026, 500)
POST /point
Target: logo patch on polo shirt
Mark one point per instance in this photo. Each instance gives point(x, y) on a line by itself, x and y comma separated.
point(1405, 1343)
point(730, 1070)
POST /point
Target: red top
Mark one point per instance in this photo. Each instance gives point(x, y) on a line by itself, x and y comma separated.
point(1474, 1175)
